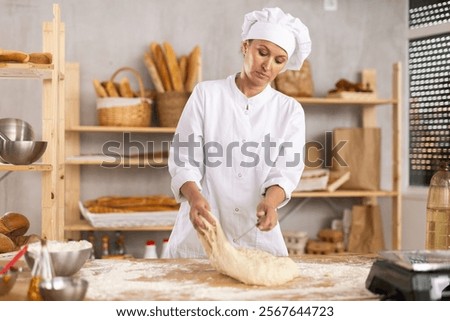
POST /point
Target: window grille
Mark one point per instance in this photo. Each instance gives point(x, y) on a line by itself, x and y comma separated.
point(429, 95)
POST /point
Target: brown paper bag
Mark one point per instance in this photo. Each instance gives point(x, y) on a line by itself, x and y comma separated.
point(366, 230)
point(358, 150)
point(296, 83)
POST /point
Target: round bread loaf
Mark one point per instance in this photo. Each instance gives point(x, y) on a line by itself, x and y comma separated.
point(6, 244)
point(14, 224)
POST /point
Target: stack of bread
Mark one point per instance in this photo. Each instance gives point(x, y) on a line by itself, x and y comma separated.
point(129, 204)
point(14, 56)
point(111, 89)
point(13, 227)
point(171, 73)
point(330, 241)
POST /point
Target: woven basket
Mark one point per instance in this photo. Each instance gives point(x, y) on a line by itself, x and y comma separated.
point(120, 111)
point(170, 105)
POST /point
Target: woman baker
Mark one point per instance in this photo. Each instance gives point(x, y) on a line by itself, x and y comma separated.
point(237, 152)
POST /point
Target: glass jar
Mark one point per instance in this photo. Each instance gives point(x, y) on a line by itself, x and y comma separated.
point(438, 210)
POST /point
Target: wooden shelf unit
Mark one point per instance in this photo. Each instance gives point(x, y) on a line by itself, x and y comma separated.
point(369, 119)
point(52, 168)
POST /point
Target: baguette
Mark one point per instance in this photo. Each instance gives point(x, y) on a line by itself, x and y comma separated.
point(13, 56)
point(111, 89)
point(99, 89)
point(172, 66)
point(183, 63)
point(161, 66)
point(148, 60)
point(44, 58)
point(193, 69)
point(125, 88)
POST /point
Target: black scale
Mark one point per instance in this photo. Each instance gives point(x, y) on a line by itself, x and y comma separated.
point(411, 275)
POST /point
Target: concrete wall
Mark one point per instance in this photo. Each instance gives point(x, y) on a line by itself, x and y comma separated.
point(105, 35)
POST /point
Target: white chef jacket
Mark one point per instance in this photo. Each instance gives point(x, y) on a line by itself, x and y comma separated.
point(239, 146)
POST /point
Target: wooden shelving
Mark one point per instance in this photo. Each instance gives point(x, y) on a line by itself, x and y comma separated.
point(108, 129)
point(83, 225)
point(368, 116)
point(25, 70)
point(344, 193)
point(74, 160)
point(26, 168)
point(52, 77)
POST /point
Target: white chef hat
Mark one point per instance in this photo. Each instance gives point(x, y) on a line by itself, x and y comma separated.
point(282, 29)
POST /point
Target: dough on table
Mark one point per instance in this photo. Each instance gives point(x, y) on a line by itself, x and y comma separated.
point(250, 266)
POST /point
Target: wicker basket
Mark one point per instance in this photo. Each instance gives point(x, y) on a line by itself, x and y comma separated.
point(170, 105)
point(121, 111)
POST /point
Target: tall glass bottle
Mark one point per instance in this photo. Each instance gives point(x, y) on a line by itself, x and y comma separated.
point(438, 210)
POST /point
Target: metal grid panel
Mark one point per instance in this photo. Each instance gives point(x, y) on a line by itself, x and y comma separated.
point(425, 13)
point(429, 112)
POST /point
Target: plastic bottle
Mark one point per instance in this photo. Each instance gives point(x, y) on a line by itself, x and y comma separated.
point(164, 253)
point(150, 250)
point(438, 210)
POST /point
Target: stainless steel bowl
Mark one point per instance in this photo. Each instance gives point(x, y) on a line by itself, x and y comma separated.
point(16, 129)
point(63, 288)
point(66, 259)
point(8, 280)
point(21, 152)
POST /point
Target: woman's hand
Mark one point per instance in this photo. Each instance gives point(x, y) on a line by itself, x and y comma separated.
point(267, 216)
point(266, 211)
point(199, 206)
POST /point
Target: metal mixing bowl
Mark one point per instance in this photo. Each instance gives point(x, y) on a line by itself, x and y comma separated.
point(67, 257)
point(63, 288)
point(16, 129)
point(7, 280)
point(21, 152)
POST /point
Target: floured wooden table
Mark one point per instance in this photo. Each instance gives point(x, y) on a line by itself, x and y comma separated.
point(330, 277)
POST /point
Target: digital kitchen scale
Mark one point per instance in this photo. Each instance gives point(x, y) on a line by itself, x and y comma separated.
point(411, 275)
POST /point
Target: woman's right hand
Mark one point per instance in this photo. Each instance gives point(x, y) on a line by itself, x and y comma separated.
point(199, 206)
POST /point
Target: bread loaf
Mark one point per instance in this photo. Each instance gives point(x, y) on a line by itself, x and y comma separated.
point(172, 65)
point(13, 56)
point(13, 224)
point(99, 89)
point(161, 65)
point(44, 58)
point(183, 63)
point(149, 63)
point(111, 89)
point(193, 74)
point(6, 244)
point(125, 88)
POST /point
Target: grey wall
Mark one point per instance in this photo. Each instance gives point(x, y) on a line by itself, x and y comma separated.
point(105, 35)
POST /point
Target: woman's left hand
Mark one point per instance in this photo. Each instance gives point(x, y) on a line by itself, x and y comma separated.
point(267, 215)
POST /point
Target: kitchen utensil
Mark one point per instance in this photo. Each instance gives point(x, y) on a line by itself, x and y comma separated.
point(67, 257)
point(4, 137)
point(14, 260)
point(8, 280)
point(63, 289)
point(21, 152)
point(16, 129)
point(236, 239)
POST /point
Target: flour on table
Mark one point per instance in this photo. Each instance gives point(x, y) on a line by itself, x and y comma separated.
point(250, 266)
